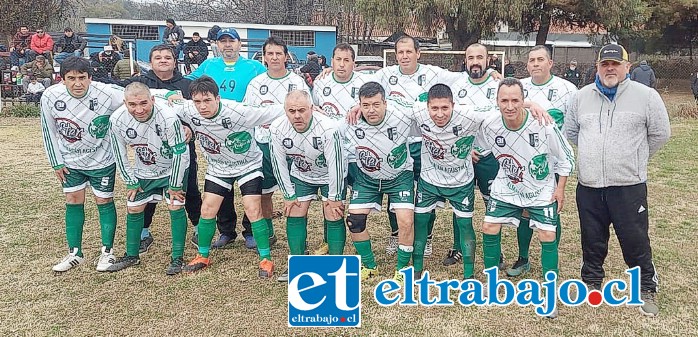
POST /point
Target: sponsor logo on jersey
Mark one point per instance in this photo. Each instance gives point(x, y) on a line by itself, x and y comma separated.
point(208, 143)
point(354, 91)
point(392, 80)
point(462, 93)
point(166, 151)
point(511, 167)
point(368, 158)
point(433, 147)
point(158, 130)
point(538, 166)
point(552, 93)
point(421, 79)
point(131, 133)
point(196, 121)
point(327, 91)
point(330, 109)
point(59, 105)
point(392, 133)
point(69, 130)
point(500, 141)
point(491, 92)
point(288, 143)
point(144, 153)
point(238, 142)
point(317, 143)
point(396, 94)
point(93, 104)
point(227, 123)
point(264, 89)
point(425, 127)
point(99, 126)
point(423, 97)
point(321, 161)
point(525, 93)
point(398, 156)
point(533, 139)
point(292, 87)
point(457, 130)
point(462, 147)
point(360, 134)
point(299, 162)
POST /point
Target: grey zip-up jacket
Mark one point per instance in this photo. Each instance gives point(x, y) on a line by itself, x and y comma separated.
point(616, 138)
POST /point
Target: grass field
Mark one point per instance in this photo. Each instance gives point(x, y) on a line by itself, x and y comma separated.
point(229, 299)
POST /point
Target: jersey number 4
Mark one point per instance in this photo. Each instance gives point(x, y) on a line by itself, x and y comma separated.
point(227, 86)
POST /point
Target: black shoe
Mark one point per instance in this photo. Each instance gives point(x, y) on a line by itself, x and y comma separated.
point(223, 242)
point(272, 240)
point(145, 244)
point(594, 286)
point(124, 262)
point(453, 257)
point(175, 266)
point(195, 240)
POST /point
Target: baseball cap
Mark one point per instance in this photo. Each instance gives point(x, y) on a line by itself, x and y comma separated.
point(230, 32)
point(613, 52)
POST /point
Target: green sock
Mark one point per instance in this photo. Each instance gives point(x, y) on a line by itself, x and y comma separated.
point(270, 227)
point(523, 236)
point(548, 257)
point(456, 234)
point(178, 223)
point(432, 219)
point(421, 222)
point(491, 249)
point(107, 223)
point(207, 228)
point(558, 232)
point(74, 222)
point(297, 233)
point(467, 243)
point(404, 254)
point(260, 232)
point(336, 236)
point(392, 218)
point(364, 249)
point(134, 226)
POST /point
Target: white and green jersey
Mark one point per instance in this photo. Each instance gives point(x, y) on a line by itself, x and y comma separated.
point(265, 89)
point(316, 155)
point(75, 130)
point(528, 160)
point(446, 160)
point(227, 139)
point(382, 150)
point(482, 97)
point(158, 144)
point(552, 95)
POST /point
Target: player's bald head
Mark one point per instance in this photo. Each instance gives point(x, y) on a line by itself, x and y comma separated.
point(136, 88)
point(297, 97)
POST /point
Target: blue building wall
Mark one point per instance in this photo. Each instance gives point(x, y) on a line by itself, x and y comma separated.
point(95, 44)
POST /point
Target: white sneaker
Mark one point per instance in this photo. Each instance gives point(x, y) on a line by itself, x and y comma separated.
point(106, 259)
point(427, 248)
point(69, 261)
point(391, 248)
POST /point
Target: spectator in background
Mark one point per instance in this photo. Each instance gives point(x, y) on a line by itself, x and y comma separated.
point(20, 46)
point(312, 67)
point(694, 86)
point(494, 63)
point(41, 44)
point(34, 90)
point(509, 69)
point(122, 69)
point(69, 44)
point(572, 74)
point(212, 34)
point(40, 69)
point(104, 62)
point(644, 74)
point(173, 36)
point(323, 62)
point(117, 44)
point(195, 51)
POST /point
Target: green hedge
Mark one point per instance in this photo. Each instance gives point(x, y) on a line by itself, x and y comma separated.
point(23, 110)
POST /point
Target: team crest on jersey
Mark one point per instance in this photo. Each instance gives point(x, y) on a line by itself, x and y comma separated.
point(392, 80)
point(327, 91)
point(166, 151)
point(368, 158)
point(292, 87)
point(434, 148)
point(209, 144)
point(99, 126)
point(457, 130)
point(421, 79)
point(360, 134)
point(462, 93)
point(69, 130)
point(59, 105)
point(196, 121)
point(288, 143)
point(511, 167)
point(354, 90)
point(299, 162)
point(131, 133)
point(392, 133)
point(317, 143)
point(425, 127)
point(462, 147)
point(398, 156)
point(321, 161)
point(227, 123)
point(263, 90)
point(500, 141)
point(533, 139)
point(144, 154)
point(238, 142)
point(538, 167)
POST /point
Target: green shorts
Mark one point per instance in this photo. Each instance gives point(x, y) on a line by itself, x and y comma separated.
point(307, 191)
point(368, 192)
point(485, 172)
point(352, 171)
point(542, 217)
point(269, 184)
point(101, 181)
point(416, 154)
point(153, 190)
point(461, 198)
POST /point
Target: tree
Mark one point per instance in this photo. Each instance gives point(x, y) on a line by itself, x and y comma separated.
point(39, 14)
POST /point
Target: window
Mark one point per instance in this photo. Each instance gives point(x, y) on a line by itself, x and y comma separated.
point(136, 32)
point(296, 38)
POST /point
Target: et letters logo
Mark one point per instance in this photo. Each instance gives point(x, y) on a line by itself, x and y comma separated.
point(324, 291)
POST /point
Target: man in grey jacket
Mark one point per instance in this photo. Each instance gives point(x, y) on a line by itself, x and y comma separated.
point(174, 37)
point(644, 74)
point(618, 124)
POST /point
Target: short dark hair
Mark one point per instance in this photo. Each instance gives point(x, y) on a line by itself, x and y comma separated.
point(275, 41)
point(510, 82)
point(440, 91)
point(74, 63)
point(159, 48)
point(371, 89)
point(542, 47)
point(405, 38)
point(23, 26)
point(344, 46)
point(196, 34)
point(203, 85)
